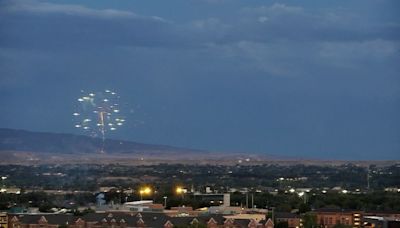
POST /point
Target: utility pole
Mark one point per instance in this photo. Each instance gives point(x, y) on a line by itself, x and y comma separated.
point(252, 200)
point(273, 216)
point(247, 200)
point(368, 179)
point(165, 201)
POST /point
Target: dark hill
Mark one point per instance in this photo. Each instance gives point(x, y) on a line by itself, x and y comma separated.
point(27, 147)
point(40, 142)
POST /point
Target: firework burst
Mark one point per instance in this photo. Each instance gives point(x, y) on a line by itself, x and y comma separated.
point(98, 113)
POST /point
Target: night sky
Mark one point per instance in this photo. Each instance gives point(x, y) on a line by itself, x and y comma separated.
point(316, 79)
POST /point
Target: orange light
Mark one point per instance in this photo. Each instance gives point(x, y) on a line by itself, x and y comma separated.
point(179, 190)
point(145, 191)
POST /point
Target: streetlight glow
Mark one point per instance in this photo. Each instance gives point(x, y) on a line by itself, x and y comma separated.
point(144, 191)
point(179, 190)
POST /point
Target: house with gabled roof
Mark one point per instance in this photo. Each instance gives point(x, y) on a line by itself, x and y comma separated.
point(131, 219)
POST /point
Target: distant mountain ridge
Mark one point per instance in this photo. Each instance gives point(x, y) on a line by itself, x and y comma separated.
point(27, 147)
point(60, 143)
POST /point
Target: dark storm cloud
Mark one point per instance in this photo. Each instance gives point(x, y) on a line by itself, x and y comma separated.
point(280, 21)
point(278, 39)
point(45, 25)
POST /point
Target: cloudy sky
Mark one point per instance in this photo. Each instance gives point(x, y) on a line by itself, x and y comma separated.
point(295, 78)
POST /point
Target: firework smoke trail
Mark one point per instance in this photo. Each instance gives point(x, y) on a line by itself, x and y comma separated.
point(102, 130)
point(98, 113)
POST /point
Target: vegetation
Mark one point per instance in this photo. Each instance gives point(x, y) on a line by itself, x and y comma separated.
point(309, 220)
point(70, 186)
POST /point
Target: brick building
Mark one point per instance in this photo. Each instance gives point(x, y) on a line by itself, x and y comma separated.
point(293, 220)
point(121, 220)
point(328, 218)
point(3, 220)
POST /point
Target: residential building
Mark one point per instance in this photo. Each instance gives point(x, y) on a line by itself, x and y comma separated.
point(3, 220)
point(329, 217)
point(293, 220)
point(132, 219)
